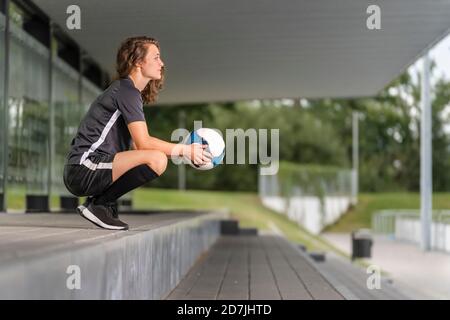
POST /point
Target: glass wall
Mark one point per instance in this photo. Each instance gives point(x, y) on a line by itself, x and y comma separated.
point(2, 110)
point(28, 117)
point(67, 115)
point(89, 93)
point(36, 131)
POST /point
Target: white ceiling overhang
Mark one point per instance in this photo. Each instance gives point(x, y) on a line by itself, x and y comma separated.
point(217, 50)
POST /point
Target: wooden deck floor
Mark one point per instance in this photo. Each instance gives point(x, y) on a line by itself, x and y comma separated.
point(253, 268)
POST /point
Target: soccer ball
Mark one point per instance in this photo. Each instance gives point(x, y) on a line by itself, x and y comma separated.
point(216, 146)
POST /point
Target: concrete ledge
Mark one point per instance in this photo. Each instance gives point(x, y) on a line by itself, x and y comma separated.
point(229, 227)
point(146, 262)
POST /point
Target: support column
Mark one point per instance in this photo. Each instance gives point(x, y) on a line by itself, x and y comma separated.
point(426, 186)
point(355, 151)
point(4, 126)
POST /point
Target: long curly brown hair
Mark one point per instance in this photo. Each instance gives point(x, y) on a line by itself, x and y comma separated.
point(132, 51)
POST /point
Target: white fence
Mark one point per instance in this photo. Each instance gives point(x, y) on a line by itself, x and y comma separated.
point(312, 212)
point(406, 225)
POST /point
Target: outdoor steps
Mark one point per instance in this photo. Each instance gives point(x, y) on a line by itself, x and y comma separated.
point(351, 280)
point(269, 267)
point(252, 267)
point(165, 255)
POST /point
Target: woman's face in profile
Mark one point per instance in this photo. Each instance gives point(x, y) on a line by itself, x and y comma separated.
point(152, 64)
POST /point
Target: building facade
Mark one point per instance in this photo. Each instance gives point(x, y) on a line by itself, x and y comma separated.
point(47, 83)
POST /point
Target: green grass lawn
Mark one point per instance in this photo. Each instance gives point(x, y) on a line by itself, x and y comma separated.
point(368, 203)
point(245, 207)
point(16, 196)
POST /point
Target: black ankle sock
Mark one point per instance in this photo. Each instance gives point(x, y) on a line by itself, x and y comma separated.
point(130, 180)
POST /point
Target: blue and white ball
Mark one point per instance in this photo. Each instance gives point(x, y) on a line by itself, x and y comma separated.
point(215, 143)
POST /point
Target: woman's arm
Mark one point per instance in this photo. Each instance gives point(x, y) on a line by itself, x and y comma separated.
point(143, 141)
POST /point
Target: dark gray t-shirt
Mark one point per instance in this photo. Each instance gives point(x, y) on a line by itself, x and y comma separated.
point(103, 129)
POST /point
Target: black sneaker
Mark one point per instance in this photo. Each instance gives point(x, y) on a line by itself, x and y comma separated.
point(102, 216)
point(85, 204)
point(113, 206)
point(114, 209)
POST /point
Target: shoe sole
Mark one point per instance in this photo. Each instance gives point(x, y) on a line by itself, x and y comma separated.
point(85, 213)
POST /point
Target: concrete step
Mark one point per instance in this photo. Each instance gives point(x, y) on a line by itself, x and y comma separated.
point(351, 281)
point(248, 231)
point(62, 256)
point(231, 227)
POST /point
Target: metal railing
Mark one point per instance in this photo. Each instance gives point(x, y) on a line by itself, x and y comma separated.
point(383, 221)
point(406, 225)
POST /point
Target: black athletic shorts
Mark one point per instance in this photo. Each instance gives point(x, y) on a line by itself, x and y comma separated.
point(90, 178)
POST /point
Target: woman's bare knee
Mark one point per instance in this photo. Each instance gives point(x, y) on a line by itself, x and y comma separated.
point(124, 161)
point(158, 162)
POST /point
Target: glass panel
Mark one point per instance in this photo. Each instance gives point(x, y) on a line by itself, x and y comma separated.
point(28, 114)
point(67, 119)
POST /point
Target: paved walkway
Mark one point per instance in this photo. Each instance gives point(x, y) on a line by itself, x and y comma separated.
point(251, 268)
point(422, 274)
